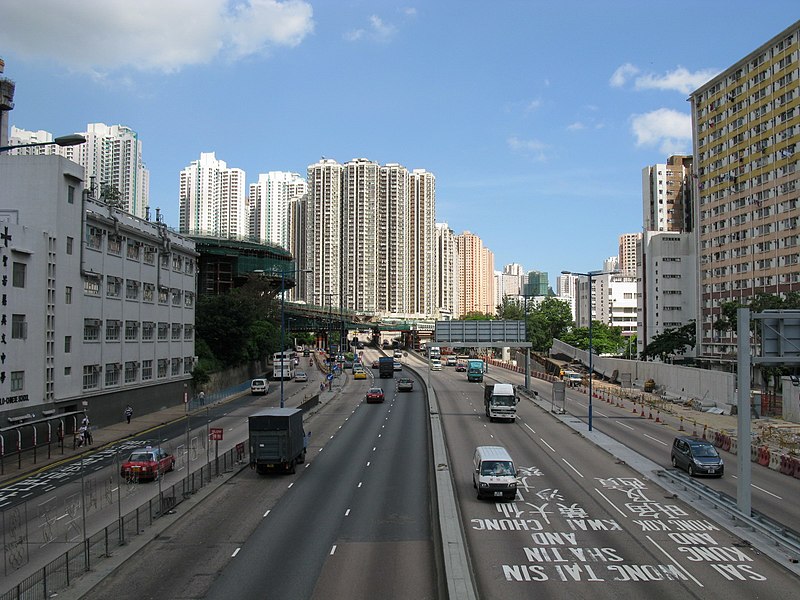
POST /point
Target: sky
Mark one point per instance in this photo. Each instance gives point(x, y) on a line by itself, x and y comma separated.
point(536, 118)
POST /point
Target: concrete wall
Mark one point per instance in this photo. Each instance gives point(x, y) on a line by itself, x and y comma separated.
point(711, 388)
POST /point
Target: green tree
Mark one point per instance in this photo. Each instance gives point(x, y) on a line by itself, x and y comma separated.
point(476, 315)
point(671, 342)
point(605, 339)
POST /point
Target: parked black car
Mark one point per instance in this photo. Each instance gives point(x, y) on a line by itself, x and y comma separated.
point(697, 456)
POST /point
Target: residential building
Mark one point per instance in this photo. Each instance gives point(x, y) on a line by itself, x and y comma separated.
point(745, 135)
point(392, 241)
point(324, 241)
point(360, 238)
point(98, 305)
point(666, 196)
point(537, 284)
point(447, 270)
point(212, 199)
point(268, 206)
point(421, 227)
point(111, 157)
point(476, 275)
point(627, 261)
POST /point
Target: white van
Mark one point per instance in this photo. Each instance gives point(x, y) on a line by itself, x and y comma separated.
point(259, 386)
point(493, 473)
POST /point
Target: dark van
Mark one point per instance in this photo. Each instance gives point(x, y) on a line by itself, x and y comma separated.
point(697, 456)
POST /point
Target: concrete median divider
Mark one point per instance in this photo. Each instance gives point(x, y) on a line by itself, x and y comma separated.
point(763, 456)
point(726, 442)
point(754, 452)
point(786, 467)
point(774, 460)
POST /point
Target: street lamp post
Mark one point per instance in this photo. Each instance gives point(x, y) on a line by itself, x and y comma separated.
point(63, 141)
point(589, 275)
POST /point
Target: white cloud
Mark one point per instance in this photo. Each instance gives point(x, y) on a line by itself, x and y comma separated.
point(101, 35)
point(533, 105)
point(668, 129)
point(680, 80)
point(410, 11)
point(576, 126)
point(533, 148)
point(622, 74)
point(378, 31)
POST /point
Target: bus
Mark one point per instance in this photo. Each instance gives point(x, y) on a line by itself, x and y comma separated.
point(283, 364)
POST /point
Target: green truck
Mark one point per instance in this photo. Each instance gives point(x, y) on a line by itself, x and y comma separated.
point(277, 440)
point(475, 370)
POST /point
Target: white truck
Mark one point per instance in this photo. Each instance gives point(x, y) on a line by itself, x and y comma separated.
point(500, 401)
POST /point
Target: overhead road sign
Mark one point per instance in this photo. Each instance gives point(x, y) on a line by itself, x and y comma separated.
point(481, 334)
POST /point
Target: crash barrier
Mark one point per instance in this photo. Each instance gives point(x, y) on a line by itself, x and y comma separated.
point(796, 472)
point(88, 554)
point(763, 456)
point(774, 460)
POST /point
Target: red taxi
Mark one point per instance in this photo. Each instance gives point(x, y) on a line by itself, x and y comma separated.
point(375, 394)
point(147, 463)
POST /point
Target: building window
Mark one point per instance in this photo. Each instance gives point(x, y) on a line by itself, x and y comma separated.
point(132, 250)
point(177, 263)
point(70, 194)
point(70, 244)
point(115, 244)
point(19, 328)
point(67, 371)
point(163, 364)
point(112, 374)
point(131, 289)
point(91, 330)
point(112, 330)
point(149, 292)
point(91, 286)
point(68, 295)
point(188, 331)
point(176, 297)
point(147, 331)
point(176, 366)
point(165, 260)
point(67, 344)
point(188, 364)
point(150, 255)
point(163, 295)
point(188, 299)
point(94, 238)
point(147, 370)
point(190, 266)
point(131, 330)
point(113, 287)
point(130, 372)
point(18, 275)
point(176, 331)
point(90, 377)
point(163, 331)
point(17, 381)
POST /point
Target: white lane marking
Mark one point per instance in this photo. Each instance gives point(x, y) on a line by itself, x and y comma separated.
point(380, 434)
point(333, 549)
point(374, 448)
point(761, 489)
point(529, 427)
point(290, 485)
point(571, 467)
point(331, 437)
point(266, 513)
point(674, 562)
point(655, 440)
point(235, 552)
point(359, 484)
point(347, 513)
point(624, 425)
point(307, 465)
point(611, 503)
point(548, 445)
point(367, 463)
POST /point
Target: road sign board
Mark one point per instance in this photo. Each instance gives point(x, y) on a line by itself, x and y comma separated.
point(215, 434)
point(329, 376)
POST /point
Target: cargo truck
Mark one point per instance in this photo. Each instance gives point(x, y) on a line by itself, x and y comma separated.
point(500, 401)
point(386, 367)
point(475, 370)
point(277, 440)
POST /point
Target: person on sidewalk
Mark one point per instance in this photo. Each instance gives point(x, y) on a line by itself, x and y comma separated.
point(202, 398)
point(86, 431)
point(128, 413)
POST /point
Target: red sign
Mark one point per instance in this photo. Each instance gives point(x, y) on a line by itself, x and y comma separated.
point(215, 434)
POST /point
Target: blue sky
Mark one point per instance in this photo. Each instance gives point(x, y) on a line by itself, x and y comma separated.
point(536, 117)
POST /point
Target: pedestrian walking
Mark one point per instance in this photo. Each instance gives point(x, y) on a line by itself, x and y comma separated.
point(86, 431)
point(128, 413)
point(202, 397)
point(82, 436)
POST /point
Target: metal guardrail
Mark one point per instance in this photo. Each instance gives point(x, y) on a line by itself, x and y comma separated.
point(779, 534)
point(88, 553)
